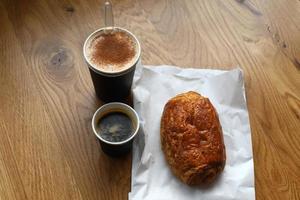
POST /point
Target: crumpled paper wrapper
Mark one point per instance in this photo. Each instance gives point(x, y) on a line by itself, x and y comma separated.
point(152, 178)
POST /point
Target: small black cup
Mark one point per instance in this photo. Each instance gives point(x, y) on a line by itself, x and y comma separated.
point(112, 86)
point(115, 149)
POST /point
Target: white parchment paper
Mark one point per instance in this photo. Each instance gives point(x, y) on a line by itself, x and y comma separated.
point(152, 178)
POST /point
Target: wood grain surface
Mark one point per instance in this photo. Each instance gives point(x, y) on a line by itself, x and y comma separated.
point(47, 148)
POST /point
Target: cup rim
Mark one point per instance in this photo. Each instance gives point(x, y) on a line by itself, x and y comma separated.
point(121, 105)
point(95, 69)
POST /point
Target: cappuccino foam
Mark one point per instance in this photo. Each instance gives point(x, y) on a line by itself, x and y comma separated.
point(112, 52)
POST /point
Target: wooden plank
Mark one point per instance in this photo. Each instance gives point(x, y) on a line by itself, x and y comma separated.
point(11, 186)
point(237, 33)
point(282, 23)
point(53, 53)
point(32, 163)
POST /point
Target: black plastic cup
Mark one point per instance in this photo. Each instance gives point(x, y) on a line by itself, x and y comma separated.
point(115, 149)
point(112, 86)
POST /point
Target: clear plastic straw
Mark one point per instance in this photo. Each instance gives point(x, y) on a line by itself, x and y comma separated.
point(108, 17)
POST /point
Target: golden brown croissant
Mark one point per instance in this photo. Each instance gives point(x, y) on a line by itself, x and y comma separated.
point(192, 139)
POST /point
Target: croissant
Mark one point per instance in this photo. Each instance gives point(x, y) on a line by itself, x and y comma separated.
point(192, 139)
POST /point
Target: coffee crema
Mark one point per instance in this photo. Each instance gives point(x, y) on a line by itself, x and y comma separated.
point(115, 127)
point(113, 51)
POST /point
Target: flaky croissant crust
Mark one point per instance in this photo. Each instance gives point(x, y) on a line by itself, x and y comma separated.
point(192, 138)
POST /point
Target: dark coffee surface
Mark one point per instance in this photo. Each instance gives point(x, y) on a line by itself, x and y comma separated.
point(112, 51)
point(115, 127)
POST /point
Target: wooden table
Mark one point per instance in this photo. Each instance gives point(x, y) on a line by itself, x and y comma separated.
point(47, 148)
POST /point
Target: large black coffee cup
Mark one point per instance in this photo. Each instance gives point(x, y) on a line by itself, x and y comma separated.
point(112, 85)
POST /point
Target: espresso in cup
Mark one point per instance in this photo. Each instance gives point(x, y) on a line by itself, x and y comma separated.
point(115, 125)
point(112, 55)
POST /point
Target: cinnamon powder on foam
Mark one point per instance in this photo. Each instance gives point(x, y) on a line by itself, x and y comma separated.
point(114, 49)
